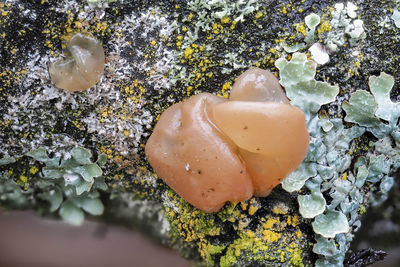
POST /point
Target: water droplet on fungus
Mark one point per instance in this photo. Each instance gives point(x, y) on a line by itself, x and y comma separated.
point(82, 66)
point(253, 141)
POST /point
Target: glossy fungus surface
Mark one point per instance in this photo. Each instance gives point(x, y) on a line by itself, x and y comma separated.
point(82, 66)
point(195, 158)
point(257, 84)
point(271, 137)
point(211, 150)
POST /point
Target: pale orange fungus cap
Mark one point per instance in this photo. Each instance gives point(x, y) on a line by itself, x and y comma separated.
point(211, 151)
point(272, 138)
point(195, 159)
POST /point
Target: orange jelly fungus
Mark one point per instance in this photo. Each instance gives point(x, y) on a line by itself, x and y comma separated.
point(211, 150)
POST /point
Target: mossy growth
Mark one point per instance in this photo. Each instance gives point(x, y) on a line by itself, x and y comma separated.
point(250, 232)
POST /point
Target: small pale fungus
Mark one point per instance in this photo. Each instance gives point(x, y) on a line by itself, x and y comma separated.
point(82, 66)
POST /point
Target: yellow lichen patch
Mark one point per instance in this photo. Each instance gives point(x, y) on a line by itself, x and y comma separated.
point(225, 20)
point(265, 249)
point(270, 222)
point(189, 89)
point(293, 220)
point(280, 208)
point(271, 236)
point(78, 124)
point(217, 28)
point(188, 52)
point(33, 170)
point(254, 206)
point(10, 78)
point(23, 178)
point(258, 15)
point(226, 86)
point(284, 10)
point(299, 234)
point(250, 233)
point(264, 240)
point(355, 64)
point(23, 181)
point(253, 210)
point(191, 224)
point(125, 163)
point(4, 11)
point(324, 26)
point(106, 151)
point(301, 28)
point(101, 27)
point(362, 210)
point(5, 123)
point(357, 146)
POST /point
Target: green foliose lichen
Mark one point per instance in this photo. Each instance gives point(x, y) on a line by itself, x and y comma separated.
point(67, 185)
point(326, 168)
point(297, 76)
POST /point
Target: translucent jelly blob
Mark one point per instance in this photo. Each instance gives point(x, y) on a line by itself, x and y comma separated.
point(211, 150)
point(82, 66)
point(272, 138)
point(257, 84)
point(195, 158)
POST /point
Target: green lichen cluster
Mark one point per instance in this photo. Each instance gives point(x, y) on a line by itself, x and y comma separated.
point(395, 14)
point(11, 194)
point(327, 169)
point(217, 40)
point(205, 26)
point(396, 18)
point(312, 21)
point(67, 185)
point(346, 27)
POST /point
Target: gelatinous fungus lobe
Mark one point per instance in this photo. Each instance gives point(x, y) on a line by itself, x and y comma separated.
point(271, 137)
point(194, 158)
point(210, 150)
point(82, 66)
point(257, 84)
